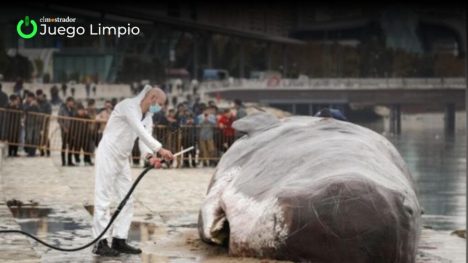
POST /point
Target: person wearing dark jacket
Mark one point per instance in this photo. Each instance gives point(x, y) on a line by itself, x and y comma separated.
point(54, 95)
point(3, 98)
point(81, 134)
point(3, 105)
point(66, 112)
point(64, 89)
point(12, 121)
point(18, 86)
point(46, 109)
point(331, 113)
point(189, 139)
point(43, 103)
point(32, 124)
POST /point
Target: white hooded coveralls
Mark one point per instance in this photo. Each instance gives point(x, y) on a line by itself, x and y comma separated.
point(113, 175)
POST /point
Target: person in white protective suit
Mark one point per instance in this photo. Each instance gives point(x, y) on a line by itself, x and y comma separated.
point(130, 119)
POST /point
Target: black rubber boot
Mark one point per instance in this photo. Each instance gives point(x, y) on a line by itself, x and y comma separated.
point(103, 249)
point(122, 246)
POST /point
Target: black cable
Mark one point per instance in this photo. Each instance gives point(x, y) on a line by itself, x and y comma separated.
point(114, 216)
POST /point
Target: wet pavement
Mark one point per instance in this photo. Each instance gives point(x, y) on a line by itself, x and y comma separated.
point(56, 203)
point(57, 207)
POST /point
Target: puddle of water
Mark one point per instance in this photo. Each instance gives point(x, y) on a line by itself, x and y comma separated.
point(90, 210)
point(47, 223)
point(29, 211)
point(180, 219)
point(40, 221)
point(139, 231)
point(438, 222)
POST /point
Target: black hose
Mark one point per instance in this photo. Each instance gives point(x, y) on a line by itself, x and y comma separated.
point(114, 216)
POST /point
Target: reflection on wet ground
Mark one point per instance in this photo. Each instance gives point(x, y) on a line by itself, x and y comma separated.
point(51, 223)
point(29, 211)
point(176, 237)
point(438, 165)
point(437, 161)
point(42, 221)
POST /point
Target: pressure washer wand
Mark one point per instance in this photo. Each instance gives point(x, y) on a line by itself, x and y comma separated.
point(183, 151)
point(114, 216)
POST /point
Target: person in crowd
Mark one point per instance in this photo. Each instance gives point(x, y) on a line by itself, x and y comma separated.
point(217, 136)
point(43, 103)
point(173, 127)
point(207, 123)
point(12, 122)
point(212, 104)
point(25, 94)
point(88, 87)
point(240, 109)
point(91, 108)
point(54, 95)
point(18, 87)
point(174, 100)
point(160, 117)
point(225, 124)
point(32, 124)
point(64, 89)
point(102, 117)
point(46, 110)
point(81, 133)
point(114, 102)
point(3, 105)
point(240, 113)
point(133, 88)
point(72, 90)
point(93, 88)
point(331, 113)
point(91, 111)
point(182, 114)
point(189, 101)
point(3, 98)
point(66, 113)
point(196, 108)
point(189, 139)
point(194, 86)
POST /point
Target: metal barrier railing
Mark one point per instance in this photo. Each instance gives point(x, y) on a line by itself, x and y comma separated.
point(74, 136)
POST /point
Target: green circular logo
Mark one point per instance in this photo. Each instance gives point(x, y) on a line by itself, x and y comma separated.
point(26, 23)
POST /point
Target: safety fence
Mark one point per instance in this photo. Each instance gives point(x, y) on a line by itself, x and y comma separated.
point(37, 133)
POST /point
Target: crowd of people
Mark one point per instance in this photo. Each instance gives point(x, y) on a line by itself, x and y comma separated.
point(25, 122)
point(202, 125)
point(81, 129)
point(27, 118)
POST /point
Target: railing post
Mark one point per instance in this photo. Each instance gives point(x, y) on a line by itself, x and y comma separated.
point(395, 119)
point(449, 118)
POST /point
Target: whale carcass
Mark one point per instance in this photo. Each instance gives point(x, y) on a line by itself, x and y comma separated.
point(311, 189)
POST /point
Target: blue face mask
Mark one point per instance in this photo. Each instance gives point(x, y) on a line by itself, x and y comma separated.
point(155, 108)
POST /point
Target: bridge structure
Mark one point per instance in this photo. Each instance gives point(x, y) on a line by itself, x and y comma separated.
point(305, 96)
